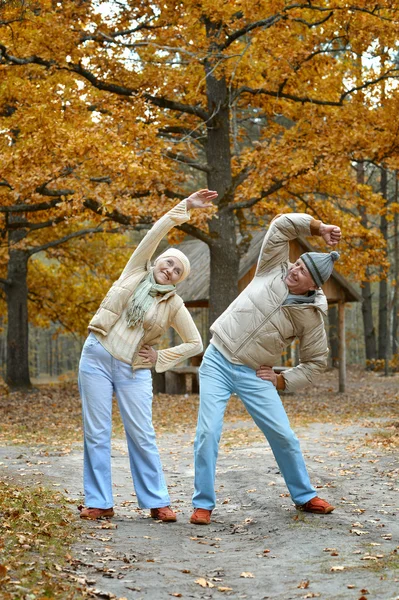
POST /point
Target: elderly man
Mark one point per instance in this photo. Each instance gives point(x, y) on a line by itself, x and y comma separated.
point(283, 302)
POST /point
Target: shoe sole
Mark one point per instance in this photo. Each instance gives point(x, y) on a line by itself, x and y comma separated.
point(200, 522)
point(96, 518)
point(164, 520)
point(327, 511)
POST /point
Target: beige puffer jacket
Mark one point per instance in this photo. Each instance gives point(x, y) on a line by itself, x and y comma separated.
point(170, 311)
point(255, 329)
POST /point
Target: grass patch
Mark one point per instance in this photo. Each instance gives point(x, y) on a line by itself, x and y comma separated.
point(36, 533)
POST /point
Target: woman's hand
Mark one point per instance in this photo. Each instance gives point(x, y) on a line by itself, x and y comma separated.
point(267, 374)
point(201, 199)
point(331, 234)
point(148, 353)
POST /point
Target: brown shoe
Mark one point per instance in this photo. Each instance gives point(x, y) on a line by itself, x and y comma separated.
point(164, 514)
point(95, 513)
point(201, 516)
point(317, 505)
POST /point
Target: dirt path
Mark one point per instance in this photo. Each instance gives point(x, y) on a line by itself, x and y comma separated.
point(258, 546)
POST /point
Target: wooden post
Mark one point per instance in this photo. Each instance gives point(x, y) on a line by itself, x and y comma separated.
point(341, 346)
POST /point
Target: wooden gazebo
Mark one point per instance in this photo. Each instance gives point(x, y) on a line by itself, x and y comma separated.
point(195, 289)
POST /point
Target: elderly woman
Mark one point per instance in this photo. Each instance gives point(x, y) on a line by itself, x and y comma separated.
point(117, 357)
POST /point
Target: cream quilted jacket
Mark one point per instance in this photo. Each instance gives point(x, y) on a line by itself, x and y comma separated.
point(256, 328)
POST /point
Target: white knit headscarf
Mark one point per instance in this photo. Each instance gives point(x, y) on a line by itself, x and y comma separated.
point(175, 253)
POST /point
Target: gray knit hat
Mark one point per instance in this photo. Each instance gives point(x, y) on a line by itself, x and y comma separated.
point(320, 265)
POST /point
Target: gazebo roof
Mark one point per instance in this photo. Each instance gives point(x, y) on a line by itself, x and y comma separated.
point(195, 289)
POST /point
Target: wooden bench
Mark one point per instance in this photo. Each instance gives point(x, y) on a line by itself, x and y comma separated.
point(174, 381)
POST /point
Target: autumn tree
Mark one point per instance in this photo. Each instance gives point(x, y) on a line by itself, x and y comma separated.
point(258, 100)
point(64, 158)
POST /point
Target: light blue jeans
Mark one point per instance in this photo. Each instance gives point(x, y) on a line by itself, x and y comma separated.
point(99, 376)
point(219, 378)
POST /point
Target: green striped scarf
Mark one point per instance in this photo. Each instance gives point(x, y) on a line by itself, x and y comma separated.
point(144, 297)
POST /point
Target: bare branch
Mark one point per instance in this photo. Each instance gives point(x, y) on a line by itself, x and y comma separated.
point(185, 131)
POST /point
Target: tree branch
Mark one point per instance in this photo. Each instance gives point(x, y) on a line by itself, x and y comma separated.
point(188, 161)
point(184, 131)
point(44, 191)
point(195, 232)
point(5, 282)
point(5, 183)
point(25, 61)
point(264, 194)
point(310, 25)
point(177, 106)
point(265, 23)
point(15, 208)
point(114, 215)
point(391, 74)
point(66, 238)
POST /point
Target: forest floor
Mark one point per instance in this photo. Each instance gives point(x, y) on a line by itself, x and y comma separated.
point(257, 547)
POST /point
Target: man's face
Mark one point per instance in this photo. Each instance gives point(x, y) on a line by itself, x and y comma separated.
point(299, 280)
point(168, 270)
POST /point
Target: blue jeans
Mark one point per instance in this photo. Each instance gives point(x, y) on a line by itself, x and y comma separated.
point(99, 376)
point(219, 378)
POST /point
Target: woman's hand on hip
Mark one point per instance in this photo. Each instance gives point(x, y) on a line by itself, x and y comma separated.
point(267, 374)
point(201, 199)
point(148, 353)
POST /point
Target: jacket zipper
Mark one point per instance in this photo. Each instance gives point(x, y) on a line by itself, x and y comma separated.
point(259, 326)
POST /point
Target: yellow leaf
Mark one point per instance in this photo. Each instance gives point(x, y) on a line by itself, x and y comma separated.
point(204, 583)
point(246, 574)
point(3, 571)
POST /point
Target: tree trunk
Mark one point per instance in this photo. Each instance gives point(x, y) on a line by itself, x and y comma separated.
point(333, 334)
point(342, 347)
point(224, 253)
point(383, 337)
point(17, 307)
point(395, 307)
point(367, 306)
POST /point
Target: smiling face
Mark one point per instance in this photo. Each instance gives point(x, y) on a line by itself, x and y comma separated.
point(168, 270)
point(298, 279)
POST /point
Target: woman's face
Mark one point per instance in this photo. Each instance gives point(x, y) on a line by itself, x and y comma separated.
point(168, 270)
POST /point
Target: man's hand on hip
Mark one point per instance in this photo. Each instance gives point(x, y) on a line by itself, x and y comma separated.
point(267, 374)
point(331, 234)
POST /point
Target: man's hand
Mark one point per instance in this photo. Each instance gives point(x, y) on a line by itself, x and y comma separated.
point(201, 199)
point(267, 374)
point(149, 354)
point(330, 233)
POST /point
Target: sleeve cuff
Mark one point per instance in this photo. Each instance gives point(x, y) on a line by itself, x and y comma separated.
point(280, 382)
point(315, 227)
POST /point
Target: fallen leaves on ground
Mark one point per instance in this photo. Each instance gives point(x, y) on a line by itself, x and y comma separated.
point(36, 532)
point(51, 414)
point(204, 583)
